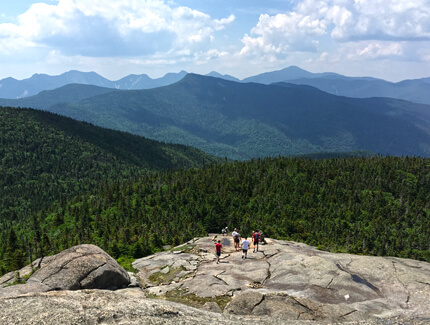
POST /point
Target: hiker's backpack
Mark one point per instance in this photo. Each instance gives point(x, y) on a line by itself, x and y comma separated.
point(256, 236)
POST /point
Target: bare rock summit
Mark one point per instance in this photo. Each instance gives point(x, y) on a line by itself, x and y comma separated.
point(282, 283)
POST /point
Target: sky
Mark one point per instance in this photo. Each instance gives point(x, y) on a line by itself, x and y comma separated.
point(388, 39)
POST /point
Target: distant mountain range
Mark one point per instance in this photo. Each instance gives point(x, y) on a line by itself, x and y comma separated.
point(15, 89)
point(246, 120)
point(417, 90)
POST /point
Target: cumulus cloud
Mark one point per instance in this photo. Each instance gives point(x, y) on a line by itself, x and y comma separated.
point(385, 20)
point(313, 22)
point(100, 28)
point(279, 34)
point(204, 57)
point(378, 50)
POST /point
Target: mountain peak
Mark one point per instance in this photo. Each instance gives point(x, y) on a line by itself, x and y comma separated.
point(294, 68)
point(289, 73)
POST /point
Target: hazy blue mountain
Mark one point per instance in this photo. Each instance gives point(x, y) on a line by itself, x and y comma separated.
point(143, 81)
point(65, 94)
point(222, 76)
point(417, 91)
point(245, 120)
point(288, 73)
point(13, 89)
point(359, 87)
point(134, 81)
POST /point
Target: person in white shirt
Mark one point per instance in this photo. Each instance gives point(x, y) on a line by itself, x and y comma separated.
point(245, 246)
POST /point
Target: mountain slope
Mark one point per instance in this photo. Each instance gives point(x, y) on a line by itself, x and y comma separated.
point(12, 89)
point(245, 120)
point(222, 76)
point(417, 91)
point(66, 94)
point(285, 74)
point(362, 87)
point(46, 157)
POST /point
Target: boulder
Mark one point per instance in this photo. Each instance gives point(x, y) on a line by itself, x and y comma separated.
point(79, 267)
point(82, 267)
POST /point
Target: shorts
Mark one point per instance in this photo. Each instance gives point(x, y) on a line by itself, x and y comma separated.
point(245, 250)
point(255, 242)
point(218, 253)
point(236, 240)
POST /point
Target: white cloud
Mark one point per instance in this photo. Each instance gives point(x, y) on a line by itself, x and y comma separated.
point(385, 20)
point(312, 24)
point(100, 28)
point(379, 50)
point(204, 57)
point(280, 34)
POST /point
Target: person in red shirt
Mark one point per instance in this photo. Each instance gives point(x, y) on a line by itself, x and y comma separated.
point(255, 239)
point(218, 248)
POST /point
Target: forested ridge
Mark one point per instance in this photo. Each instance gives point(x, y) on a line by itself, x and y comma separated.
point(46, 158)
point(375, 206)
point(241, 121)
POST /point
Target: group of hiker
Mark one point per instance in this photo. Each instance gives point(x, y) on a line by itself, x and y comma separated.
point(257, 237)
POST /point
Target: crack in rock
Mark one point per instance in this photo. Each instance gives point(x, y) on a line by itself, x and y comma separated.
point(269, 255)
point(328, 285)
point(406, 264)
point(258, 303)
point(349, 263)
point(216, 276)
point(303, 305)
point(62, 267)
point(347, 314)
point(404, 286)
point(269, 274)
point(88, 273)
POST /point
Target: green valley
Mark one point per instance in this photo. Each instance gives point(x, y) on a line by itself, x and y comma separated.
point(247, 120)
point(46, 159)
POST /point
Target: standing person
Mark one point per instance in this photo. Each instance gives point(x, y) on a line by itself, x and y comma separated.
point(223, 231)
point(236, 238)
point(218, 248)
point(255, 239)
point(262, 240)
point(245, 246)
point(226, 231)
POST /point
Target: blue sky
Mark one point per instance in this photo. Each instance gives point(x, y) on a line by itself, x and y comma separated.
point(387, 39)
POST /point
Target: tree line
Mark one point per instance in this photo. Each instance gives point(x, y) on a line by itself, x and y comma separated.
point(375, 206)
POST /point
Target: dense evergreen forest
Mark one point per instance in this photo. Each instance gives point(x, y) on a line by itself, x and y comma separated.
point(376, 206)
point(46, 158)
